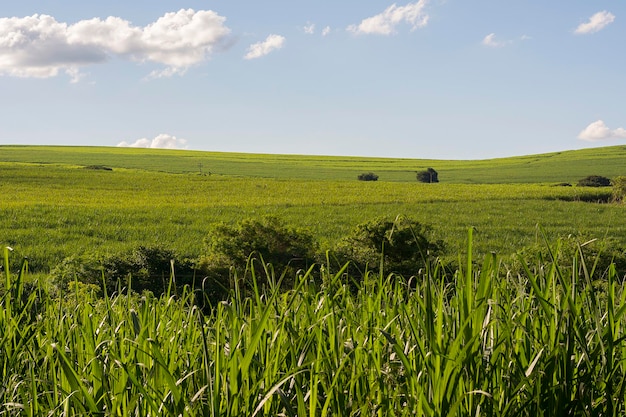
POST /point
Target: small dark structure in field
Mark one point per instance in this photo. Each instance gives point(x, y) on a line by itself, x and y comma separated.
point(99, 167)
point(429, 175)
point(594, 181)
point(368, 176)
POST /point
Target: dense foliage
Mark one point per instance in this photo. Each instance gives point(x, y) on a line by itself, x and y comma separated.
point(403, 247)
point(368, 176)
point(428, 176)
point(257, 243)
point(542, 342)
point(594, 181)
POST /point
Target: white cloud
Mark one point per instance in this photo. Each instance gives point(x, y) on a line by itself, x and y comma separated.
point(385, 23)
point(326, 31)
point(490, 40)
point(598, 131)
point(309, 28)
point(260, 49)
point(39, 46)
point(163, 141)
point(596, 23)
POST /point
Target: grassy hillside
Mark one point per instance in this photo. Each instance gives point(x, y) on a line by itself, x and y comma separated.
point(51, 211)
point(566, 166)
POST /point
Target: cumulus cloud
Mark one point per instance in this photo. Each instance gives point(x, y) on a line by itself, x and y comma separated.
point(309, 28)
point(598, 131)
point(40, 46)
point(163, 141)
point(385, 23)
point(596, 23)
point(326, 31)
point(259, 49)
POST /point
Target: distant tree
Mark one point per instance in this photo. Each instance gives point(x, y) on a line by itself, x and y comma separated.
point(594, 181)
point(429, 175)
point(369, 176)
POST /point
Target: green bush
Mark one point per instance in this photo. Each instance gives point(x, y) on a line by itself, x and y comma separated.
point(429, 176)
point(594, 181)
point(404, 246)
point(147, 269)
point(369, 176)
point(254, 244)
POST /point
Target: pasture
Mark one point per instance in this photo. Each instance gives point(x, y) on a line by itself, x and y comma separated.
point(567, 166)
point(52, 210)
point(545, 337)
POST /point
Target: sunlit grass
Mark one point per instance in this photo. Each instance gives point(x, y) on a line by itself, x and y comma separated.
point(475, 341)
point(50, 212)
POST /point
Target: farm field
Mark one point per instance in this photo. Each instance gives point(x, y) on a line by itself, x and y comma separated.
point(568, 166)
point(52, 210)
point(474, 332)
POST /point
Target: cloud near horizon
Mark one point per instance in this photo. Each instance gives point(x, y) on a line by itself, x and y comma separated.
point(39, 46)
point(598, 131)
point(385, 23)
point(596, 23)
point(162, 141)
point(259, 49)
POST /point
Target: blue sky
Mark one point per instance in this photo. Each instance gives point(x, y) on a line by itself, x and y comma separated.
point(444, 79)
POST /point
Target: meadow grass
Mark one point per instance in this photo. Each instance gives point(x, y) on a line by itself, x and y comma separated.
point(475, 341)
point(539, 338)
point(568, 166)
point(50, 212)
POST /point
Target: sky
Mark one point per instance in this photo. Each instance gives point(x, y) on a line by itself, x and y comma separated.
point(440, 79)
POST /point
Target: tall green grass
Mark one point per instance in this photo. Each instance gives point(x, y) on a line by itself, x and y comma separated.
point(549, 341)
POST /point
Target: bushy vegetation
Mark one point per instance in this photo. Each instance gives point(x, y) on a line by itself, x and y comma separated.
point(594, 181)
point(368, 176)
point(259, 248)
point(428, 176)
point(402, 246)
point(143, 268)
point(475, 341)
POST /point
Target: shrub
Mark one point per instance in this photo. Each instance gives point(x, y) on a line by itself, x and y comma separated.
point(149, 269)
point(594, 181)
point(99, 167)
point(369, 176)
point(429, 176)
point(404, 246)
point(260, 242)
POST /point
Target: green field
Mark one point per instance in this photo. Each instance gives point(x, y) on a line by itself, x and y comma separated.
point(52, 207)
point(474, 332)
point(568, 166)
